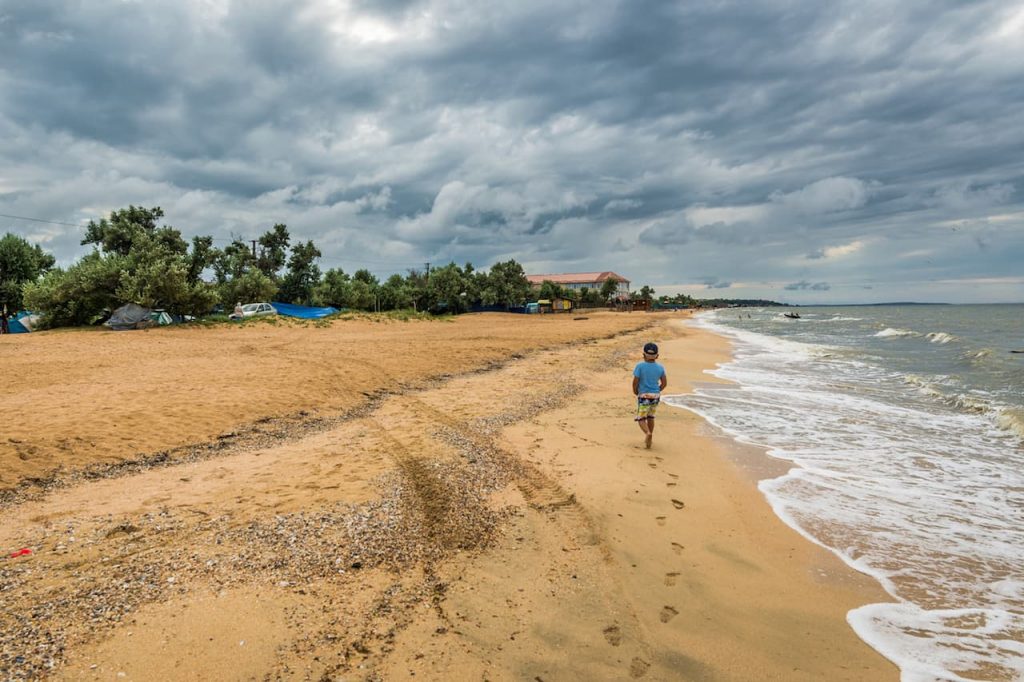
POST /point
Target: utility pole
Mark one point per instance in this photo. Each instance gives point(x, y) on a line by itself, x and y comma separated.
point(428, 270)
point(253, 248)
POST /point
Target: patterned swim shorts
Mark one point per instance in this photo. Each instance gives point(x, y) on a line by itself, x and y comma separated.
point(647, 405)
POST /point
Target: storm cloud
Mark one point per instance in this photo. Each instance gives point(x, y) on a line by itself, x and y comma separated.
point(778, 145)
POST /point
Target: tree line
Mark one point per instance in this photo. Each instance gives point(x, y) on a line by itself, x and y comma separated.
point(135, 259)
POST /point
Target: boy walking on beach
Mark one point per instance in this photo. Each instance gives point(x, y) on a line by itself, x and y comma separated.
point(649, 380)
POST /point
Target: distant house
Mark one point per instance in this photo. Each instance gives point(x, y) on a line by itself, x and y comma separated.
point(583, 280)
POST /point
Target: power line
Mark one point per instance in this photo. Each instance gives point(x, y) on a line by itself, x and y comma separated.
point(39, 220)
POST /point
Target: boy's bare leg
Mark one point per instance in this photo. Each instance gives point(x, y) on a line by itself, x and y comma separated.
point(642, 423)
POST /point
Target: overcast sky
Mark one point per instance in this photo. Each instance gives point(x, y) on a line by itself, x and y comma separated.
point(797, 150)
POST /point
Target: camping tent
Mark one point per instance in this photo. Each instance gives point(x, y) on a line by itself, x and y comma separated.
point(23, 322)
point(130, 316)
point(161, 317)
point(303, 311)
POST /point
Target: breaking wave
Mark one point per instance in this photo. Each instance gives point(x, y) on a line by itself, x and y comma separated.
point(1012, 420)
point(940, 337)
point(890, 332)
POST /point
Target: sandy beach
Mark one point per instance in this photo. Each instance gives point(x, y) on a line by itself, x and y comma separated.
point(381, 500)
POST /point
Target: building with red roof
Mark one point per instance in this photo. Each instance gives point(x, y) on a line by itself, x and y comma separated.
point(583, 280)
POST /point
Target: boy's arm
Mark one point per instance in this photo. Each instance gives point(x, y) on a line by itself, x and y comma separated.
point(663, 381)
point(636, 385)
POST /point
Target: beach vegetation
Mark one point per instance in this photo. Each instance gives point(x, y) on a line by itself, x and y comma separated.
point(134, 260)
point(137, 259)
point(646, 293)
point(505, 285)
point(397, 294)
point(590, 298)
point(609, 288)
point(20, 263)
point(449, 288)
point(303, 274)
point(549, 291)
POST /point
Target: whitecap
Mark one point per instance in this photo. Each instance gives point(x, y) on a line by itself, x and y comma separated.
point(1012, 420)
point(890, 332)
point(940, 337)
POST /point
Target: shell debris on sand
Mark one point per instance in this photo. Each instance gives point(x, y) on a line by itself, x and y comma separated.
point(92, 574)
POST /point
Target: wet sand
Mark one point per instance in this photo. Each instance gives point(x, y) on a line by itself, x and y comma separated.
point(446, 500)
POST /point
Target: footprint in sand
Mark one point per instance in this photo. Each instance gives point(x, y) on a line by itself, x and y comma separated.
point(670, 578)
point(678, 504)
point(677, 548)
point(672, 485)
point(667, 613)
point(660, 520)
point(638, 667)
point(613, 635)
point(652, 465)
point(674, 475)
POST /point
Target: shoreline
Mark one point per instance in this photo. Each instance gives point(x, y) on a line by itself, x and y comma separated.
point(776, 602)
point(499, 524)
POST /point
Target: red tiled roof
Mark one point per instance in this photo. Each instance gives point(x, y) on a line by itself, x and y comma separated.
point(576, 277)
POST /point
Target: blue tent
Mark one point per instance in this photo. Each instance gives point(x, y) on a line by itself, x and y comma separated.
point(305, 312)
point(22, 323)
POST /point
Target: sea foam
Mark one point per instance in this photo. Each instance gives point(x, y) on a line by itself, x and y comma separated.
point(890, 332)
point(906, 478)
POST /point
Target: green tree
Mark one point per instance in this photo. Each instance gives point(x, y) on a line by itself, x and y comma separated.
point(20, 264)
point(233, 261)
point(549, 291)
point(364, 290)
point(362, 296)
point(158, 276)
point(134, 261)
point(506, 285)
point(252, 286)
point(303, 274)
point(609, 288)
point(119, 233)
point(79, 295)
point(448, 290)
point(201, 257)
point(590, 298)
point(237, 260)
point(396, 294)
point(273, 250)
point(335, 289)
point(646, 293)
point(416, 284)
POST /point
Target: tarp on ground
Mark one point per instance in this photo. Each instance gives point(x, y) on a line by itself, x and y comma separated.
point(22, 323)
point(303, 311)
point(161, 318)
point(130, 316)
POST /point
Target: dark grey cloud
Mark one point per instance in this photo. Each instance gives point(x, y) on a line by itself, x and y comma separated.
point(804, 285)
point(866, 145)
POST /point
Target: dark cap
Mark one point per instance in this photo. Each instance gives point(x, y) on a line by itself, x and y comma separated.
point(650, 349)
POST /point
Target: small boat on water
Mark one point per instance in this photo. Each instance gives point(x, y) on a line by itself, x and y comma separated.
point(792, 316)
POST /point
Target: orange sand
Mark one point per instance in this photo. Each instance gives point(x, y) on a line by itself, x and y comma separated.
point(608, 561)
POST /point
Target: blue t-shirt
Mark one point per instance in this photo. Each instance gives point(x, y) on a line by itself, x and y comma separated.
point(650, 374)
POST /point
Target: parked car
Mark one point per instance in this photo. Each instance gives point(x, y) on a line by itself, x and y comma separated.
point(252, 309)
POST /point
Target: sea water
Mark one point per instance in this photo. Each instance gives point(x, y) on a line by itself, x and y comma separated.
point(905, 426)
